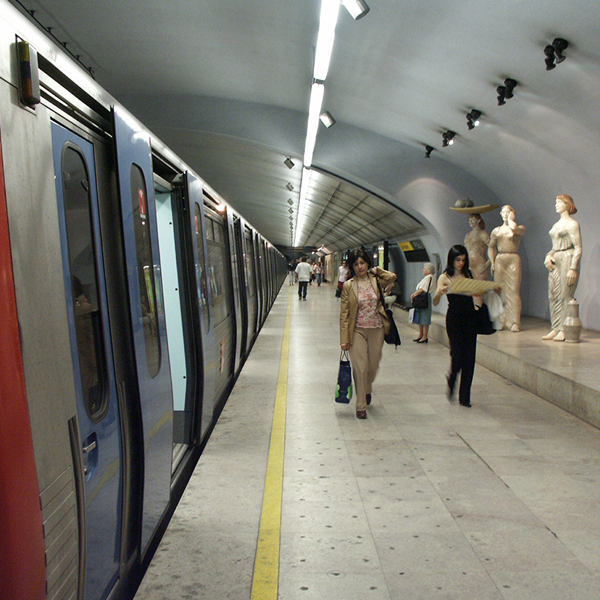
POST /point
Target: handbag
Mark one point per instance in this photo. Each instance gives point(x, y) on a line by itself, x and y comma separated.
point(392, 336)
point(422, 300)
point(343, 390)
point(483, 323)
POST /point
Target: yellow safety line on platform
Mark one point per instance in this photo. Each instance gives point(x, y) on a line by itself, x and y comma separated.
point(265, 584)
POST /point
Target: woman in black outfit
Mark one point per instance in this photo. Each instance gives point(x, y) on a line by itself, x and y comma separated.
point(460, 324)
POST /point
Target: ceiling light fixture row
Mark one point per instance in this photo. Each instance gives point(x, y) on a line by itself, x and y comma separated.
point(554, 53)
point(325, 38)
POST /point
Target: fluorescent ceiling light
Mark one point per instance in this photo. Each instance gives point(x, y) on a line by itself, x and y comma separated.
point(357, 8)
point(306, 175)
point(314, 110)
point(327, 23)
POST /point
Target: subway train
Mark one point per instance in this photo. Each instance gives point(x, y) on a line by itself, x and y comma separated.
point(131, 296)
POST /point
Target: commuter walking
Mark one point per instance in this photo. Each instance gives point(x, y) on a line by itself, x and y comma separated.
point(343, 275)
point(363, 323)
point(303, 273)
point(460, 324)
point(319, 273)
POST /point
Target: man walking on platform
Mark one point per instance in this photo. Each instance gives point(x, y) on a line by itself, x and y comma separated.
point(303, 273)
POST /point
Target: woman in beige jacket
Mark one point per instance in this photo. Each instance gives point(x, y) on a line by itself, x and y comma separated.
point(363, 323)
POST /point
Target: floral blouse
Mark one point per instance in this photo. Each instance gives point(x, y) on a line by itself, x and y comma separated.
point(368, 317)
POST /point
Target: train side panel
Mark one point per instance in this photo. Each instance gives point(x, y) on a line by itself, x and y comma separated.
point(23, 573)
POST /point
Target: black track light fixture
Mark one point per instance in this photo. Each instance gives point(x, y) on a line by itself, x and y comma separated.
point(506, 91)
point(448, 138)
point(554, 53)
point(428, 151)
point(473, 118)
point(510, 85)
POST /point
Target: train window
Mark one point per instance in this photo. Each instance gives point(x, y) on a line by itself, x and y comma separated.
point(219, 234)
point(201, 275)
point(209, 230)
point(219, 262)
point(146, 278)
point(249, 256)
point(84, 282)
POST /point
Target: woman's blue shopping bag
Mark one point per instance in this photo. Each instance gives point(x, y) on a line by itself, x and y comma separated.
point(343, 390)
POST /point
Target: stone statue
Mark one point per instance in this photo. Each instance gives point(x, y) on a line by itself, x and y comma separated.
point(563, 263)
point(503, 253)
point(476, 243)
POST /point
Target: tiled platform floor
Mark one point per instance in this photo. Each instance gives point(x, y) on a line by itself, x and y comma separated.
point(422, 501)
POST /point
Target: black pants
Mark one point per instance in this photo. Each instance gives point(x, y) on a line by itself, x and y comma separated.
point(463, 347)
point(302, 287)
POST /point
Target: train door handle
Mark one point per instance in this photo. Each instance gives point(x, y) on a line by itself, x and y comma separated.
point(89, 447)
point(89, 452)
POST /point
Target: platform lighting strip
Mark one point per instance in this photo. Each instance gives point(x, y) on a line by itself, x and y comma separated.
point(325, 38)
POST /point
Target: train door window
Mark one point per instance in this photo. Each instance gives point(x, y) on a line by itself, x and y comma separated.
point(249, 256)
point(219, 279)
point(88, 322)
point(201, 275)
point(146, 279)
point(165, 201)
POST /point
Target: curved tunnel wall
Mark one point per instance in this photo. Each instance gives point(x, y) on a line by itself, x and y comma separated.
point(522, 166)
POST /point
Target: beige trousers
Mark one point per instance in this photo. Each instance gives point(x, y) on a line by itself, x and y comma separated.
point(365, 354)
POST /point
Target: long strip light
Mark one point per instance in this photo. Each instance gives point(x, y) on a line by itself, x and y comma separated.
point(325, 37)
point(304, 185)
point(314, 112)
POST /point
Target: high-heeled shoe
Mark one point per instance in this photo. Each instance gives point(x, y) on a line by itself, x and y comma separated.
point(417, 340)
point(423, 341)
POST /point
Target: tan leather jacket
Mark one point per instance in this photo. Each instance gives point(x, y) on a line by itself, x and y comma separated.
point(349, 299)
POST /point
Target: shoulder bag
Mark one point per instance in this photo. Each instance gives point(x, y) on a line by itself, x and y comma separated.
point(422, 300)
point(483, 323)
point(392, 336)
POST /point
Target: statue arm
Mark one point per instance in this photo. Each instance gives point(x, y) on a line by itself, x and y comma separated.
point(492, 251)
point(576, 238)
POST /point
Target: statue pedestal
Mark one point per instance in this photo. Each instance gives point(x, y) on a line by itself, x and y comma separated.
point(573, 324)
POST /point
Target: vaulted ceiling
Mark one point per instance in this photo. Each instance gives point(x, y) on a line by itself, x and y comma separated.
point(226, 84)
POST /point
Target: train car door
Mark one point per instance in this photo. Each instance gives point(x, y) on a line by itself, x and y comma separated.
point(261, 281)
point(96, 395)
point(198, 226)
point(250, 284)
point(136, 190)
point(240, 287)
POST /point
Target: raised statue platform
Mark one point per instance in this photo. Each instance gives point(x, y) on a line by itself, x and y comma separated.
point(566, 374)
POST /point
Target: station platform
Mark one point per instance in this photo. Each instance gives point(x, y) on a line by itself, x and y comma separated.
point(294, 498)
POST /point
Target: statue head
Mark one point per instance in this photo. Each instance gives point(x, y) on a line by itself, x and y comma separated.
point(568, 202)
point(476, 220)
point(506, 211)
